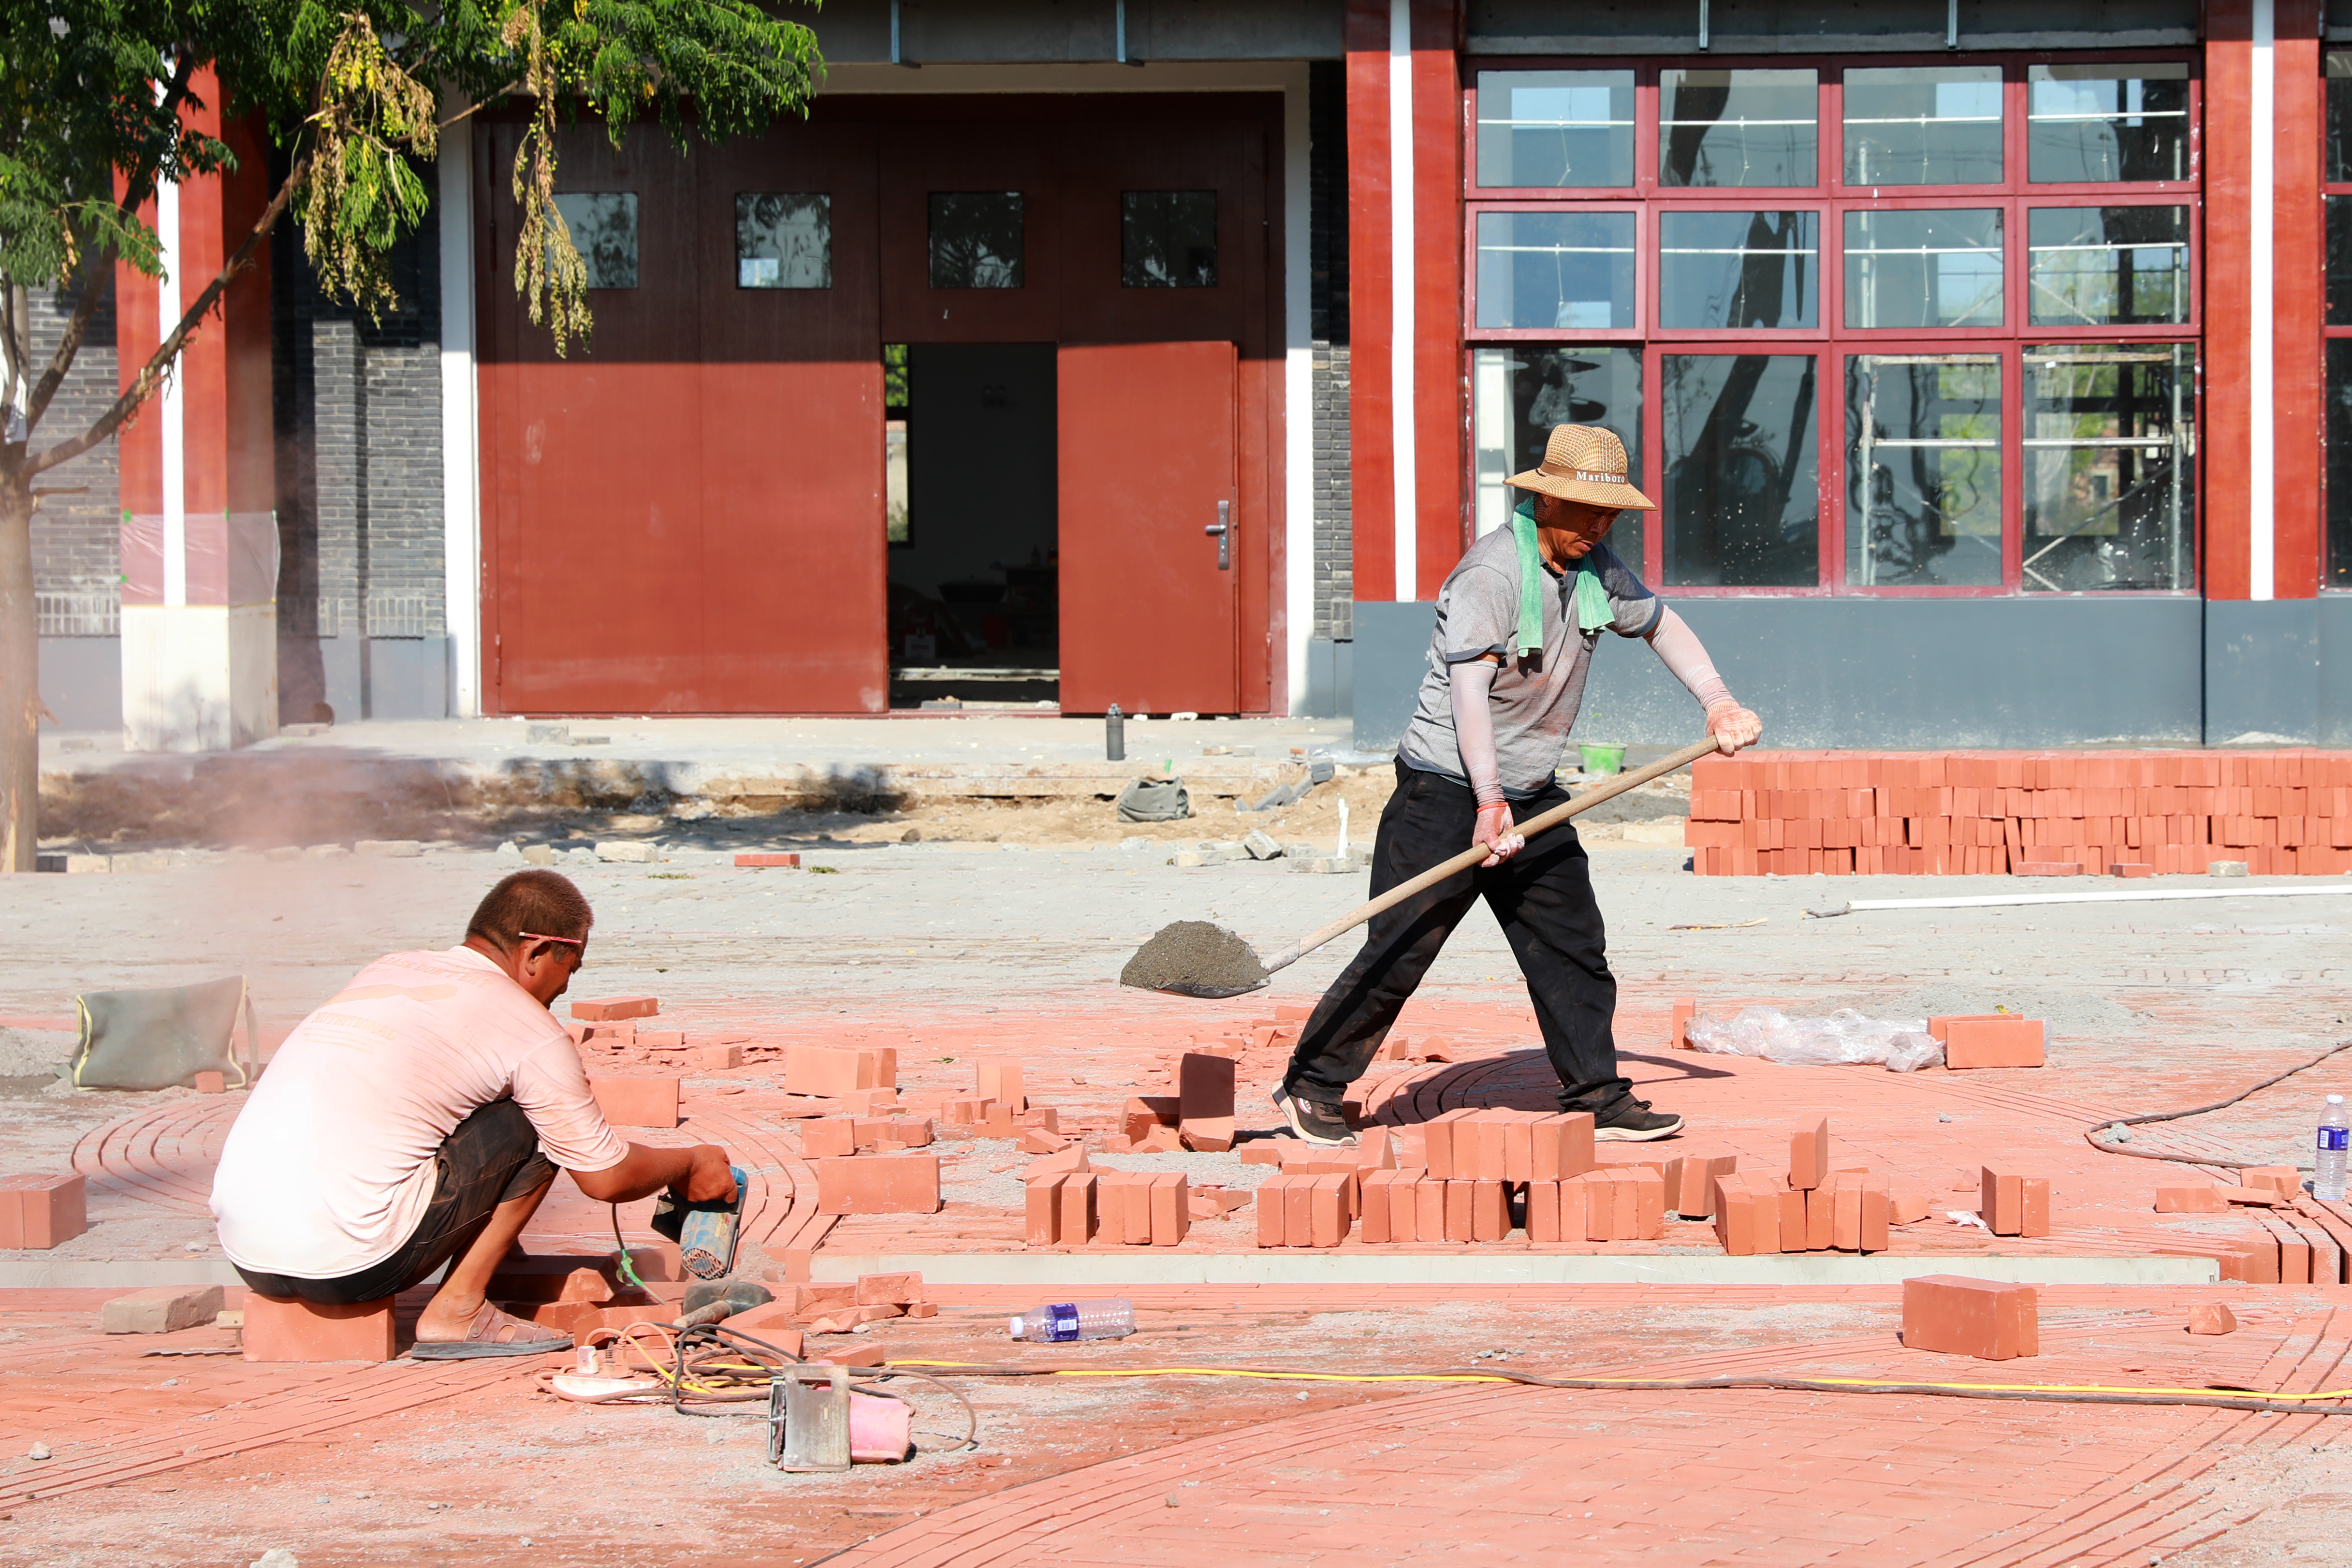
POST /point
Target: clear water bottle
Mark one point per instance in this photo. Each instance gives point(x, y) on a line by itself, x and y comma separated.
point(2335, 1136)
point(1057, 1322)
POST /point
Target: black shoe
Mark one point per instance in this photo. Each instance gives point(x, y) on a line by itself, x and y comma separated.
point(1315, 1122)
point(1631, 1120)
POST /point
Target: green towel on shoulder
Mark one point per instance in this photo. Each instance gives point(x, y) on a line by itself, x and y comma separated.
point(1592, 611)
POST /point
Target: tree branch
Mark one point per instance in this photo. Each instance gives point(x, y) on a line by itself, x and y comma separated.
point(135, 193)
point(151, 374)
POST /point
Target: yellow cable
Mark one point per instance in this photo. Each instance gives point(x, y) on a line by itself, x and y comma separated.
point(1481, 1377)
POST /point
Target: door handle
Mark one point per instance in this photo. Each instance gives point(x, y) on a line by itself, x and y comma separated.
point(1222, 530)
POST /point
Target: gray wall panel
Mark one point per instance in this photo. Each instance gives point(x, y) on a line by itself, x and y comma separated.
point(1800, 26)
point(1899, 674)
point(2261, 672)
point(948, 32)
point(2335, 620)
point(408, 678)
point(81, 680)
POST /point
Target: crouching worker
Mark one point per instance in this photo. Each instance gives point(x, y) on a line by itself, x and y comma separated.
point(419, 1119)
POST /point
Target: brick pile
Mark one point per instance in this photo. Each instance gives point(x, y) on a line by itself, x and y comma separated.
point(2284, 813)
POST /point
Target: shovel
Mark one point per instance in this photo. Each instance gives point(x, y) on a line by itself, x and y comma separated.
point(1194, 958)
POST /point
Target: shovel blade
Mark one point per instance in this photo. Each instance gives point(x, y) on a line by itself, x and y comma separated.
point(1207, 993)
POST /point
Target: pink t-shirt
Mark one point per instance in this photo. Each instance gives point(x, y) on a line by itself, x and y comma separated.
point(330, 1167)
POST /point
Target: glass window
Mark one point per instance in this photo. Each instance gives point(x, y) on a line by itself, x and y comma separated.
point(1739, 269)
point(2106, 266)
point(603, 226)
point(1556, 128)
point(975, 239)
point(1557, 269)
point(2339, 118)
point(1168, 240)
point(1923, 125)
point(2339, 462)
point(1739, 128)
point(2096, 124)
point(1923, 470)
point(1741, 506)
point(1925, 269)
point(2339, 261)
point(2110, 467)
point(784, 241)
point(1521, 390)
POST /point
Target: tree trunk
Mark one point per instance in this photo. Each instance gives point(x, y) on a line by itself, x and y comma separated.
point(20, 681)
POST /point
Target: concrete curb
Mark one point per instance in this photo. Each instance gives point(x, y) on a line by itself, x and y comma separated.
point(1549, 1268)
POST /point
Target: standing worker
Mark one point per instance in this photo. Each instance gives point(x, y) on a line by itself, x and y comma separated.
point(1516, 624)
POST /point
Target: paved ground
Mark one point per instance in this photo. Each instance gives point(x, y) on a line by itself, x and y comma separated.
point(942, 948)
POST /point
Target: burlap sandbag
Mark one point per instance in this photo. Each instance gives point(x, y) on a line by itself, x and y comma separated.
point(164, 1037)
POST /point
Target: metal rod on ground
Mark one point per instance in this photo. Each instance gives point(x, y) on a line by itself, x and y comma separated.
point(2152, 895)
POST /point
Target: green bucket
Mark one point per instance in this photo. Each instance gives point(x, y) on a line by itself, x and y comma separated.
point(1603, 760)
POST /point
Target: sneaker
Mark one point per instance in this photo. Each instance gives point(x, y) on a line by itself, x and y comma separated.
point(1315, 1122)
point(1633, 1122)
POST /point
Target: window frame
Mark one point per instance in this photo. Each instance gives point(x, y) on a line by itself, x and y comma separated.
point(1832, 342)
point(2328, 332)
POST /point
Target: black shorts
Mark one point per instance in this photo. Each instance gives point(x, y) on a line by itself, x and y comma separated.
point(489, 1158)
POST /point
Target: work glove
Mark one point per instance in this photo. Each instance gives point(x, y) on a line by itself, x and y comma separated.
point(1733, 727)
point(1495, 831)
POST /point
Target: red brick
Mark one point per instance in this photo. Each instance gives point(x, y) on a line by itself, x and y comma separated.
point(910, 1132)
point(1441, 1133)
point(280, 1329)
point(1993, 1043)
point(1270, 1210)
point(1045, 1116)
point(771, 1325)
point(822, 1301)
point(1145, 1113)
point(551, 1278)
point(1685, 1009)
point(2283, 1180)
point(1328, 1210)
point(1428, 1209)
point(1265, 1150)
point(1044, 1203)
point(662, 1039)
point(1648, 1203)
point(2211, 1318)
point(614, 1007)
point(894, 1290)
point(718, 1059)
point(2254, 1197)
point(1821, 1218)
point(878, 1183)
point(827, 1070)
point(1543, 1211)
point(1037, 1141)
point(1908, 1205)
point(1135, 1207)
point(41, 1212)
point(1518, 1148)
point(757, 857)
point(1171, 1214)
point(1809, 1155)
point(2131, 869)
point(1737, 1221)
point(1576, 1155)
point(637, 1101)
point(1691, 1181)
point(1796, 1218)
point(828, 1137)
point(1875, 1208)
point(1375, 1150)
point(1000, 1080)
point(1206, 1089)
point(212, 1083)
point(1374, 1226)
point(2188, 1197)
point(1459, 1208)
point(1478, 1148)
point(2001, 1201)
point(1980, 1317)
point(1077, 1224)
point(1845, 1218)
point(1490, 1211)
point(1298, 1210)
point(2034, 1205)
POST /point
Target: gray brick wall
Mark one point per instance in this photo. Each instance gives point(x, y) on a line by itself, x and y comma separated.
point(77, 555)
point(1335, 574)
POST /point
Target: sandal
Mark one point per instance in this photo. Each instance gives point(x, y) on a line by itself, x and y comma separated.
point(493, 1334)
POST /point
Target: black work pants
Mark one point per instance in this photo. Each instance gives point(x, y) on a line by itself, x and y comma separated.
point(488, 1159)
point(1543, 898)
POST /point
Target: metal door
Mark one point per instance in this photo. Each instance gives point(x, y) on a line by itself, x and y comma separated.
point(1153, 536)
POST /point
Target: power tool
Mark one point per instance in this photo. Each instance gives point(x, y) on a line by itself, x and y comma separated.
point(705, 1232)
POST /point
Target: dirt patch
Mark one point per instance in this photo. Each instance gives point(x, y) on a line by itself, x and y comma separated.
point(1193, 953)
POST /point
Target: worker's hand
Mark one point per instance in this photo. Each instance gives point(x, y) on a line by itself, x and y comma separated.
point(709, 1180)
point(1494, 831)
point(1733, 727)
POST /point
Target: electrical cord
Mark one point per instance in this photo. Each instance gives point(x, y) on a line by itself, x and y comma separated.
point(736, 1368)
point(2090, 1134)
point(2221, 1397)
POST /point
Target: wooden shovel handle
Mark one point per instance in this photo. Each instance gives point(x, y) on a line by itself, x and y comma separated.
point(1477, 854)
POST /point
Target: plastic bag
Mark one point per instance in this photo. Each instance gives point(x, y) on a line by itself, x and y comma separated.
point(1844, 1037)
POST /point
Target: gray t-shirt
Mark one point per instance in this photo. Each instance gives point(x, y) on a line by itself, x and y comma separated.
point(1534, 700)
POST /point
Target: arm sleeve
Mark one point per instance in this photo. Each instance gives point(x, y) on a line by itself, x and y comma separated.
point(1678, 646)
point(1473, 730)
point(1638, 611)
point(552, 1086)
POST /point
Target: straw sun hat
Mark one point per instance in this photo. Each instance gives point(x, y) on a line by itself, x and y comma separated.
point(1584, 463)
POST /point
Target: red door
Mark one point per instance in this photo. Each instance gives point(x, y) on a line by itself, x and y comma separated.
point(1148, 592)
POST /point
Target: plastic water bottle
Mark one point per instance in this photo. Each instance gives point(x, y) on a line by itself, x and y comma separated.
point(1057, 1322)
point(2335, 1136)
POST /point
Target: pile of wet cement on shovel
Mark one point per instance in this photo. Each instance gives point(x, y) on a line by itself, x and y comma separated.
point(1193, 952)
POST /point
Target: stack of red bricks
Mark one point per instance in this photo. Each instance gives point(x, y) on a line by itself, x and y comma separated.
point(2284, 813)
point(2296, 1239)
point(1075, 1208)
point(1811, 1209)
